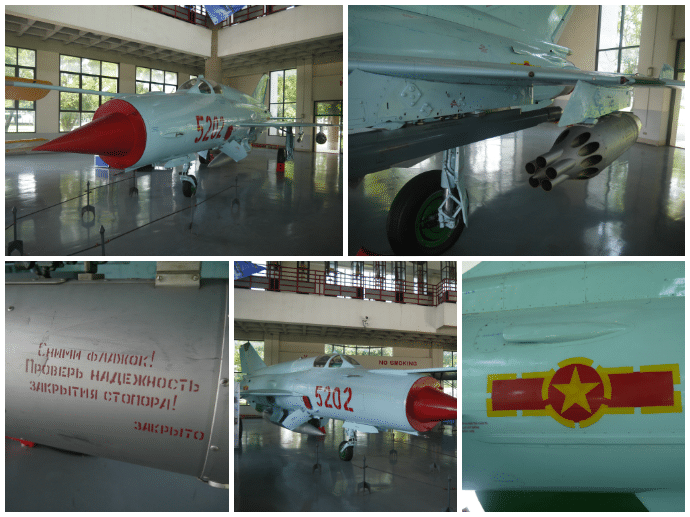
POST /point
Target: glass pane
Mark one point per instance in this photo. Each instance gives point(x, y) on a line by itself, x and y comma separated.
point(157, 76)
point(70, 64)
point(26, 104)
point(68, 121)
point(609, 31)
point(109, 85)
point(10, 71)
point(156, 87)
point(9, 103)
point(290, 110)
point(27, 57)
point(291, 85)
point(27, 121)
point(632, 26)
point(26, 73)
point(69, 80)
point(89, 102)
point(276, 86)
point(629, 60)
point(142, 87)
point(143, 74)
point(110, 69)
point(171, 78)
point(69, 101)
point(169, 88)
point(608, 61)
point(86, 118)
point(89, 82)
point(90, 66)
point(11, 121)
point(10, 55)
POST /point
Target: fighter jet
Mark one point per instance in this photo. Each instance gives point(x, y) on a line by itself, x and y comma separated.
point(573, 379)
point(169, 130)
point(426, 79)
point(298, 395)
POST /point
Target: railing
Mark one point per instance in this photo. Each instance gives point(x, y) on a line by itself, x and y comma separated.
point(252, 12)
point(196, 15)
point(343, 285)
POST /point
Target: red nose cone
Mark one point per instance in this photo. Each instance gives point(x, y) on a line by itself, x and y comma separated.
point(117, 133)
point(426, 405)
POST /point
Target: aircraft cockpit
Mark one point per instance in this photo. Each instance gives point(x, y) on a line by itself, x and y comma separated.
point(335, 361)
point(202, 85)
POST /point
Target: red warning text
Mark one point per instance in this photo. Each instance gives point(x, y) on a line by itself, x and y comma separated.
point(165, 429)
point(53, 371)
point(128, 399)
point(148, 381)
point(96, 357)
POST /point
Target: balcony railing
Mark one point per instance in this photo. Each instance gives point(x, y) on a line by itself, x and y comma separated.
point(344, 285)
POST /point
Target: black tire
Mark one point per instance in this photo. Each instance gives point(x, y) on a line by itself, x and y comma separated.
point(189, 189)
point(345, 455)
point(281, 155)
point(412, 225)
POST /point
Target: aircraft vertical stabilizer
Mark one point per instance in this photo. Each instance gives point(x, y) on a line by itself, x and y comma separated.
point(249, 359)
point(260, 90)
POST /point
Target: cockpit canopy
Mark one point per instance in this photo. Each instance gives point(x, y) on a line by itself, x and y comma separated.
point(202, 85)
point(335, 361)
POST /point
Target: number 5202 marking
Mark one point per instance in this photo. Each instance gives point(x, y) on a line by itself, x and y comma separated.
point(333, 398)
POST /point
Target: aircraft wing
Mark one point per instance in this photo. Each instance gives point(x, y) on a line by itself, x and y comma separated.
point(595, 93)
point(18, 88)
point(279, 125)
point(468, 72)
point(446, 374)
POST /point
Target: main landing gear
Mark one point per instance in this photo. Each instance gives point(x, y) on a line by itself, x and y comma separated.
point(188, 181)
point(346, 449)
point(430, 211)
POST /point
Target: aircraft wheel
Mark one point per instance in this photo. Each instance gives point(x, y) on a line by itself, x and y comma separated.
point(281, 155)
point(189, 185)
point(412, 224)
point(346, 453)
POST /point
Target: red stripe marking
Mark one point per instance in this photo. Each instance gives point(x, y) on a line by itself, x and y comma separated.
point(640, 389)
point(517, 394)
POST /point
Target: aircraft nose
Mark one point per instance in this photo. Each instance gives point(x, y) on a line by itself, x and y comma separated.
point(117, 133)
point(427, 405)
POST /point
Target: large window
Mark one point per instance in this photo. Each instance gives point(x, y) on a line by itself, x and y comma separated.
point(618, 44)
point(359, 350)
point(450, 358)
point(20, 116)
point(77, 109)
point(283, 100)
point(152, 80)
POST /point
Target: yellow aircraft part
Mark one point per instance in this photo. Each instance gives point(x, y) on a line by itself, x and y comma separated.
point(25, 94)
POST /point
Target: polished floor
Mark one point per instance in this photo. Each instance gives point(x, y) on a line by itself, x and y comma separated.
point(635, 207)
point(274, 471)
point(244, 208)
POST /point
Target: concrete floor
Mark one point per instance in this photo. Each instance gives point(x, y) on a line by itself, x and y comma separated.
point(273, 471)
point(634, 207)
point(295, 213)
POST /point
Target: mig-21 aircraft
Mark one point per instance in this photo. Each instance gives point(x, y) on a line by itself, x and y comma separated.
point(169, 129)
point(573, 379)
point(298, 395)
point(426, 79)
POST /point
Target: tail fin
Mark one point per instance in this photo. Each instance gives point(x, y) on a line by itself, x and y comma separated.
point(249, 359)
point(260, 90)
